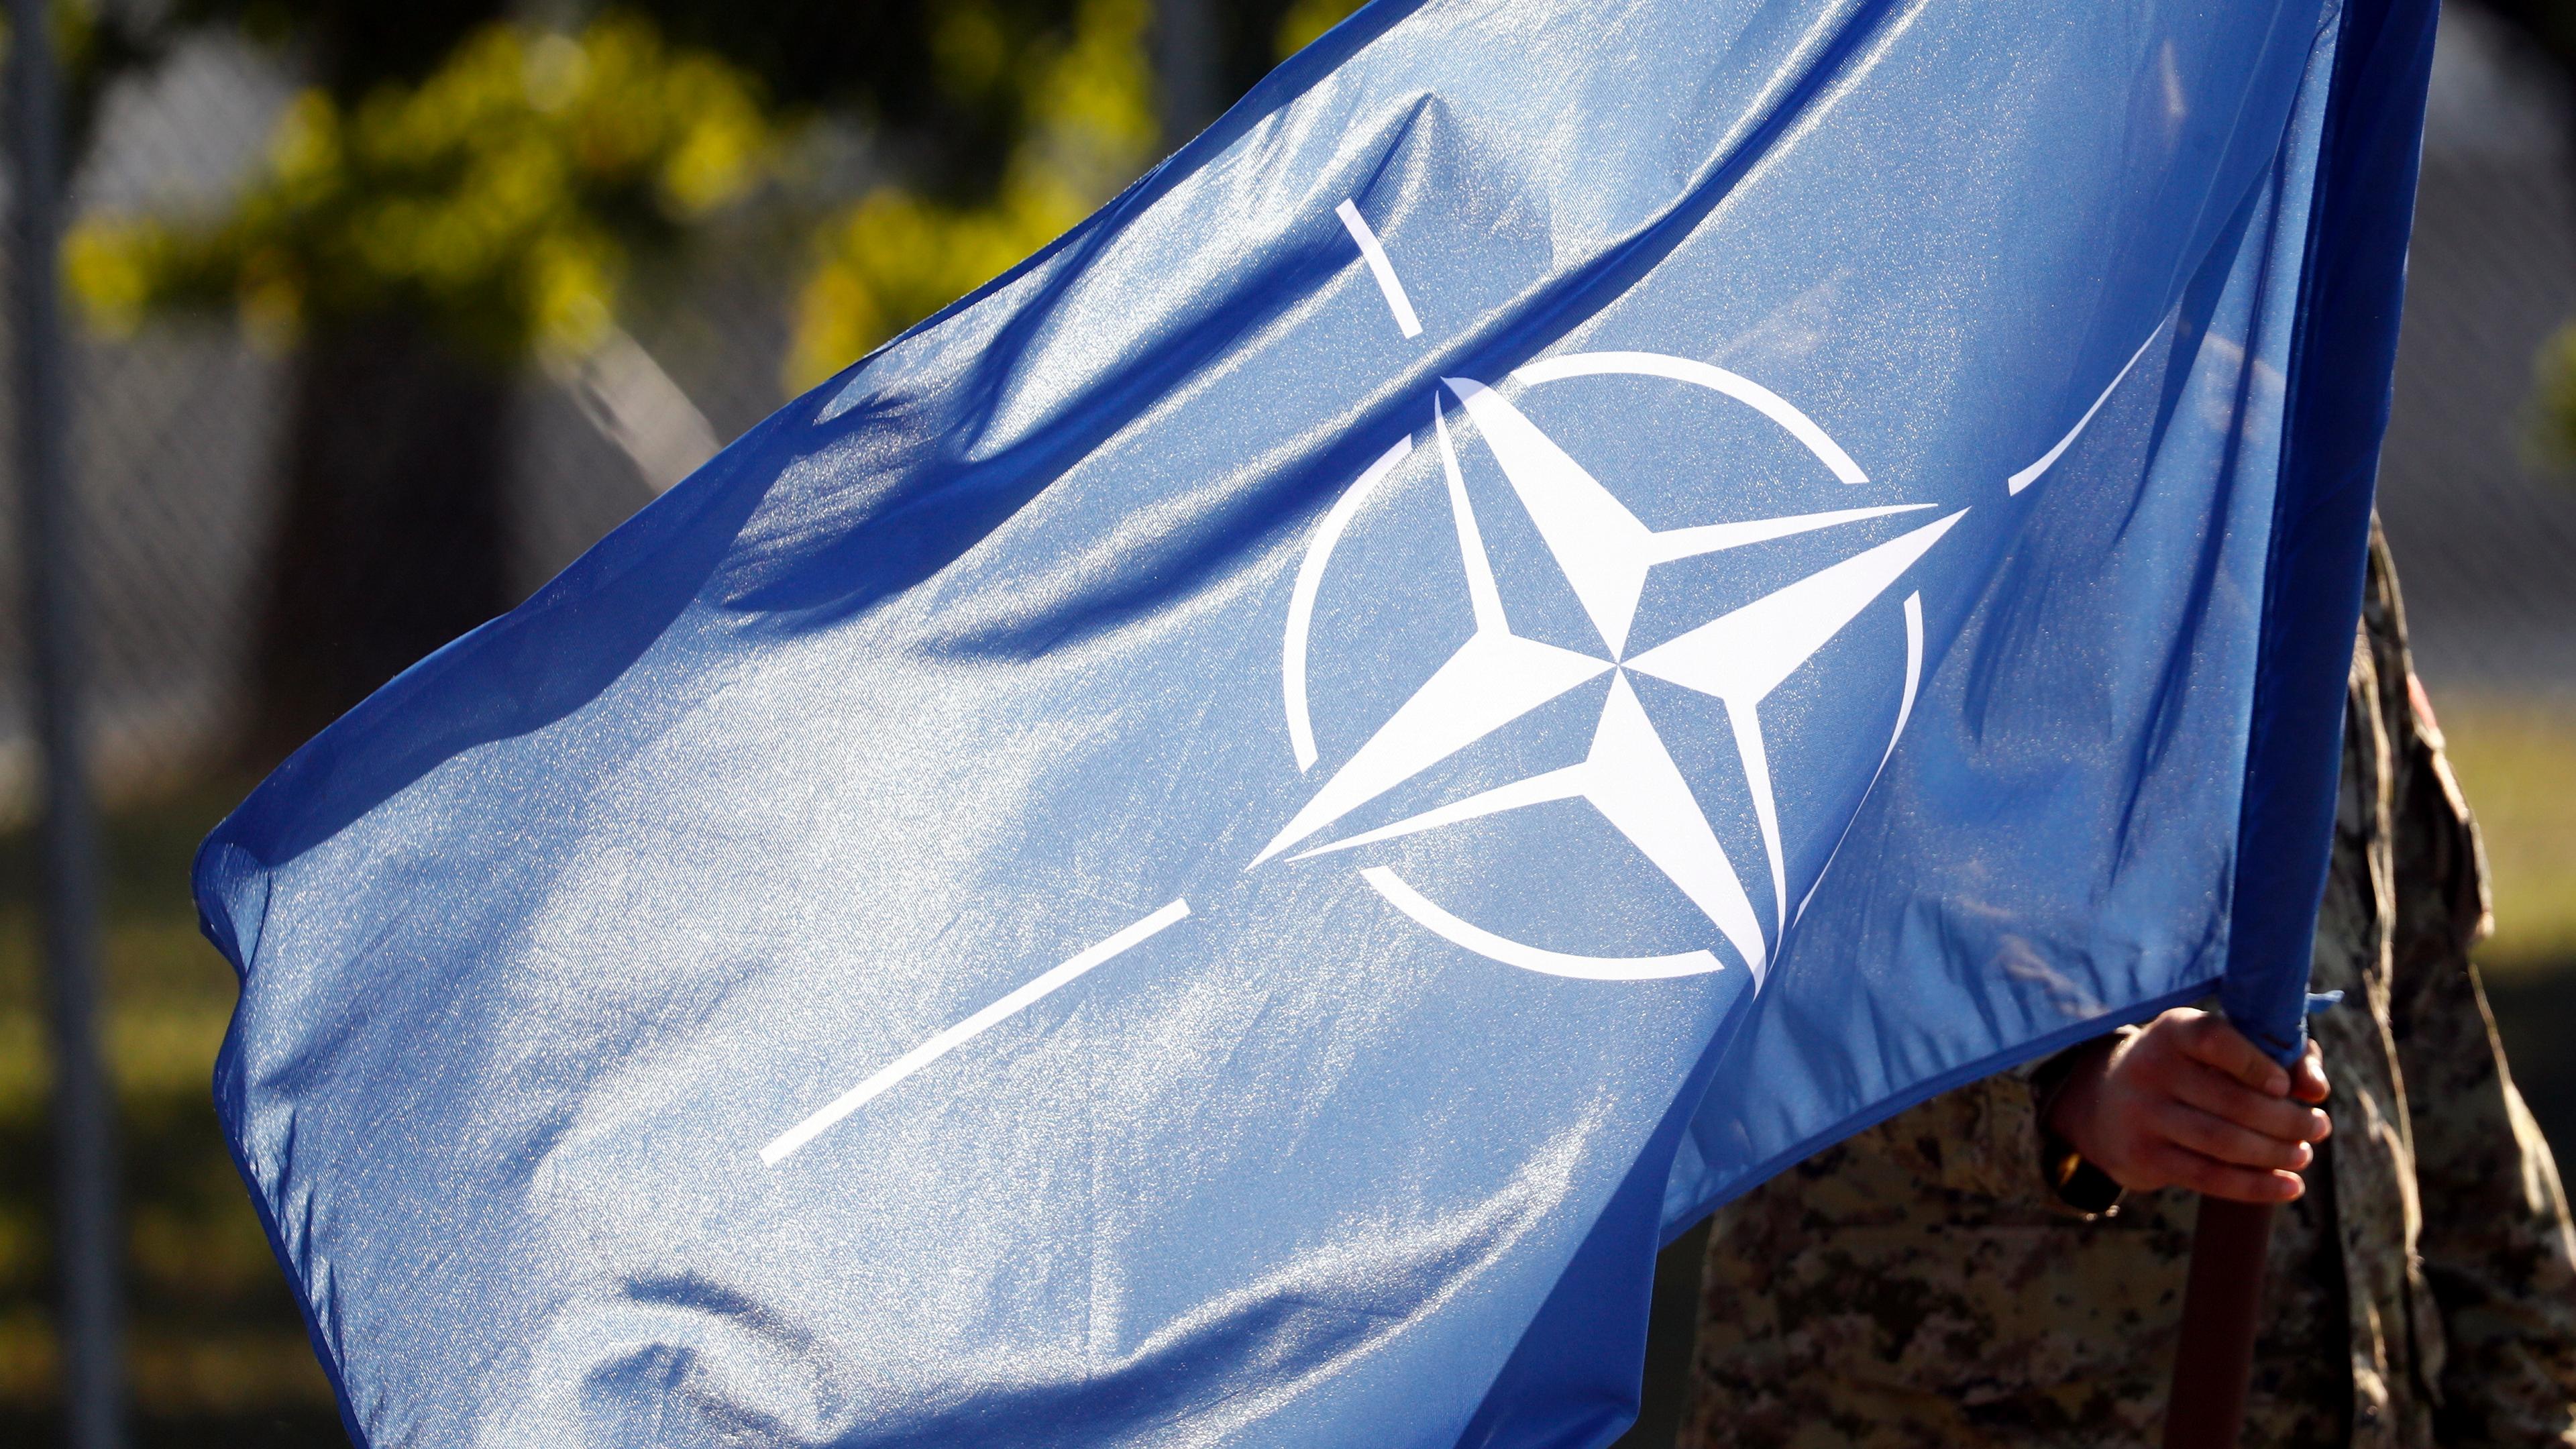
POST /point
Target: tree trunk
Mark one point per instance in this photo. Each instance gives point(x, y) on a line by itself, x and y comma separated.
point(389, 541)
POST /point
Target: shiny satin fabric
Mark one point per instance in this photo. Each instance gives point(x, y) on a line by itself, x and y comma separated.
point(1212, 846)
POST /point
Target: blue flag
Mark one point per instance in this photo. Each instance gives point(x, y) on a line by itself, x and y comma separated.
point(1213, 846)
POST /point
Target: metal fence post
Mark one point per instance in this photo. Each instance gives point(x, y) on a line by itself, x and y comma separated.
point(1185, 66)
point(84, 1123)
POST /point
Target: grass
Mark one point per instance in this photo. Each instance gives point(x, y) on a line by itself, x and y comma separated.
point(217, 1353)
point(2516, 760)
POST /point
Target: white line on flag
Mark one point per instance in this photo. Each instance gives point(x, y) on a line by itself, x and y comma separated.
point(1380, 268)
point(2030, 475)
point(965, 1031)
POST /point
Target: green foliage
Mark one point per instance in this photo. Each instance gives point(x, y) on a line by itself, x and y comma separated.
point(1306, 21)
point(499, 197)
point(939, 86)
point(1087, 103)
point(901, 252)
point(2514, 760)
point(215, 1350)
point(495, 179)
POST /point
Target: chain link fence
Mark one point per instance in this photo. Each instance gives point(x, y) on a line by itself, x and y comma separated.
point(178, 436)
point(2485, 531)
point(170, 434)
point(178, 432)
point(177, 429)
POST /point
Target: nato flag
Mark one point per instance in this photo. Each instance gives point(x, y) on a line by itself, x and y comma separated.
point(1213, 846)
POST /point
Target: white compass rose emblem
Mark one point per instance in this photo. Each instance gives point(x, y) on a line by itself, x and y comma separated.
point(1605, 554)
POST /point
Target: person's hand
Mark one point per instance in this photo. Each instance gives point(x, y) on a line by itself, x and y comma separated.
point(2187, 1101)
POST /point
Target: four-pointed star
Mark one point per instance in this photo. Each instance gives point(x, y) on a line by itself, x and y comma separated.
point(1497, 676)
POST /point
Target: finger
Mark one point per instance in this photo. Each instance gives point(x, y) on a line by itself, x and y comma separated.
point(2310, 1084)
point(2217, 1138)
point(2233, 1101)
point(2217, 1179)
point(2214, 1043)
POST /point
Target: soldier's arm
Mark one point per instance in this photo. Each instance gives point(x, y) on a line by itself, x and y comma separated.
point(2497, 1246)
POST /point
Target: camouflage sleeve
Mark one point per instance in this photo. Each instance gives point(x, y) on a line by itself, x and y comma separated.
point(2497, 1248)
point(2074, 1187)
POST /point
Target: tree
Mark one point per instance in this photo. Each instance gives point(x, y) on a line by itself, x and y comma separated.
point(461, 192)
point(413, 237)
point(1083, 101)
point(901, 252)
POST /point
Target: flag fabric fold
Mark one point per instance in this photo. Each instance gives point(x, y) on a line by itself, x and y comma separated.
point(1216, 844)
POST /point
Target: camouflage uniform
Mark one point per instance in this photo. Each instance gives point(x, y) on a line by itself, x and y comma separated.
point(1921, 1284)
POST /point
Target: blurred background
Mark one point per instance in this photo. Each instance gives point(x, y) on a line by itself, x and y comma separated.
point(376, 315)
